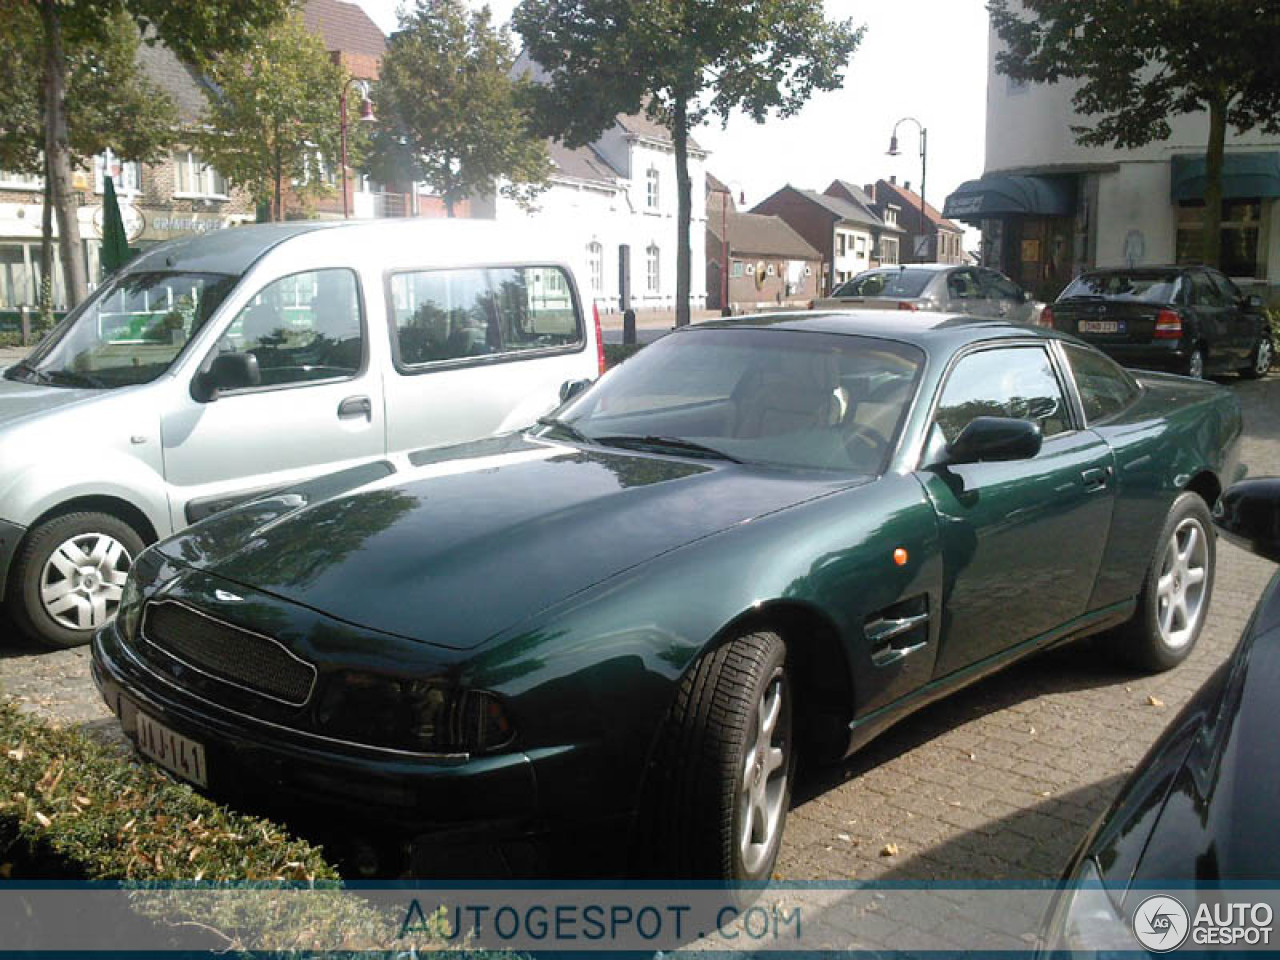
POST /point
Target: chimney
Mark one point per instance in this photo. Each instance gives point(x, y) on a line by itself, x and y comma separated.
point(893, 178)
point(870, 191)
point(906, 186)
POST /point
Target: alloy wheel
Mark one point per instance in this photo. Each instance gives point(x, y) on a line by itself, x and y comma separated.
point(1181, 588)
point(1262, 358)
point(1195, 364)
point(763, 784)
point(82, 581)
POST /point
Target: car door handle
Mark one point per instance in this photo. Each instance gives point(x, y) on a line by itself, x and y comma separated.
point(353, 407)
point(1095, 479)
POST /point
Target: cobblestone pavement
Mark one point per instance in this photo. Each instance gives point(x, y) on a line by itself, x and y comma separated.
point(999, 781)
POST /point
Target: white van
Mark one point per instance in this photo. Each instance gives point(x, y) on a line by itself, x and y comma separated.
point(217, 368)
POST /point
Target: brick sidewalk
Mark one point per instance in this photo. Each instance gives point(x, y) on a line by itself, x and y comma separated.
point(997, 782)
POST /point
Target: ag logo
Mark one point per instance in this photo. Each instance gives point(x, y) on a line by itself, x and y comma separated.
point(1161, 923)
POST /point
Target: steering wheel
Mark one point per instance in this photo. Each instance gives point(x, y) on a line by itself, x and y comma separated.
point(865, 444)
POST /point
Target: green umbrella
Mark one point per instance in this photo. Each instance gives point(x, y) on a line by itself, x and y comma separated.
point(115, 242)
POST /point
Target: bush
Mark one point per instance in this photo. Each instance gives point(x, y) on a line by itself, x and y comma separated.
point(615, 353)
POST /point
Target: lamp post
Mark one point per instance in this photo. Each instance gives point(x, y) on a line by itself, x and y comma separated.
point(924, 164)
point(366, 114)
point(724, 242)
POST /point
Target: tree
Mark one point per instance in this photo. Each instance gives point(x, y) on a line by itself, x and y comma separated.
point(1141, 62)
point(452, 113)
point(57, 32)
point(274, 117)
point(682, 61)
point(110, 103)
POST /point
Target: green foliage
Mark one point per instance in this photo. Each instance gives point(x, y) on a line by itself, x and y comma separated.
point(274, 119)
point(111, 103)
point(451, 112)
point(682, 61)
point(615, 353)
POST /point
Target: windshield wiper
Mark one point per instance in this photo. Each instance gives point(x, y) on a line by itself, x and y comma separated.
point(566, 427)
point(671, 443)
point(73, 379)
point(29, 373)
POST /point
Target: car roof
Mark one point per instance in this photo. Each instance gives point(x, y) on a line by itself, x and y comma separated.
point(931, 267)
point(931, 331)
point(234, 250)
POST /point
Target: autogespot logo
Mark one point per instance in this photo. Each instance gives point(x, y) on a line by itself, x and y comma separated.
point(1161, 923)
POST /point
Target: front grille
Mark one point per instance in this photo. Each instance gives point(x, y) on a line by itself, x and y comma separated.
point(227, 652)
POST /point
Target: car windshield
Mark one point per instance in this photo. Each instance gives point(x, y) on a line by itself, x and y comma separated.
point(128, 334)
point(782, 398)
point(885, 283)
point(1141, 287)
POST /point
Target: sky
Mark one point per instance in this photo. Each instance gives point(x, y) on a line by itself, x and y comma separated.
point(921, 58)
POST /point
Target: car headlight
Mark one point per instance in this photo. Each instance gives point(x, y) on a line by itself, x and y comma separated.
point(1085, 919)
point(420, 716)
point(130, 610)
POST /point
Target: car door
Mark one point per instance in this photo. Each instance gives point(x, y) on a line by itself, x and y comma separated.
point(1213, 319)
point(318, 407)
point(1022, 540)
point(966, 295)
point(1241, 325)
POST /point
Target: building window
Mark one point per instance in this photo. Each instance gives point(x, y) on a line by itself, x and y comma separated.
point(652, 189)
point(1243, 246)
point(889, 250)
point(891, 216)
point(860, 251)
point(126, 175)
point(652, 274)
point(595, 262)
point(841, 244)
point(738, 269)
point(21, 181)
point(194, 178)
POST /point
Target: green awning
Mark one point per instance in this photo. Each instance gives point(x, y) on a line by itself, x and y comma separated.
point(1245, 176)
point(1003, 195)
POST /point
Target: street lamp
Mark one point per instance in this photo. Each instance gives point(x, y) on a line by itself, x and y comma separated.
point(924, 164)
point(366, 115)
point(724, 242)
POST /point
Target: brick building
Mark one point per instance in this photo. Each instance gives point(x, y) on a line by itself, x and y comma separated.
point(928, 238)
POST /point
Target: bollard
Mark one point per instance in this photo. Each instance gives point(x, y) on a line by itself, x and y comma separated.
point(629, 326)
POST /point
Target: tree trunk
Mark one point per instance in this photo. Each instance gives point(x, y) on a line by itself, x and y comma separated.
point(684, 209)
point(46, 252)
point(1214, 161)
point(277, 182)
point(57, 151)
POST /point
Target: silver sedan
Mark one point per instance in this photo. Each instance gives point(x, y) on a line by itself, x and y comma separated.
point(941, 287)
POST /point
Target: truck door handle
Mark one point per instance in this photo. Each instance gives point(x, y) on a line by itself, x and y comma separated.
point(1095, 479)
point(353, 407)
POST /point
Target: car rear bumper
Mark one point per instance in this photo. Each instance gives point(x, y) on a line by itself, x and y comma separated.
point(11, 535)
point(487, 805)
point(1158, 354)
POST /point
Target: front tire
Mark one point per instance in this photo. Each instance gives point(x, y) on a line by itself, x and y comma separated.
point(1177, 589)
point(1260, 359)
point(719, 784)
point(69, 575)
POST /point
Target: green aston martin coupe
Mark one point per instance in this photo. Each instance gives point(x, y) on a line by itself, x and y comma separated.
point(602, 643)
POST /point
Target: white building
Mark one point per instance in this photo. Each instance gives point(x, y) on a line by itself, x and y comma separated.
point(616, 199)
point(1050, 207)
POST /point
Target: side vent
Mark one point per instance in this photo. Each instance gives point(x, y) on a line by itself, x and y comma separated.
point(896, 632)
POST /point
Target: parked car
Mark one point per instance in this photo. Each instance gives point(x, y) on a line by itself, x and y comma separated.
point(941, 287)
point(751, 539)
point(1199, 810)
point(1191, 320)
point(215, 369)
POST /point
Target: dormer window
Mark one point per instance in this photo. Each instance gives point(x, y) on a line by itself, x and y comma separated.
point(652, 191)
point(891, 216)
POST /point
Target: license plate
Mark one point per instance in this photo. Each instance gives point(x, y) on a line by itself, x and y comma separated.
point(1101, 326)
point(171, 750)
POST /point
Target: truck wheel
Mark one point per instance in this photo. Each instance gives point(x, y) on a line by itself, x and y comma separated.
point(1259, 360)
point(69, 575)
point(719, 785)
point(1177, 590)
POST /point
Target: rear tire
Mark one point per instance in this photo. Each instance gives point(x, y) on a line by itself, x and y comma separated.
point(68, 576)
point(1176, 592)
point(719, 783)
point(1260, 359)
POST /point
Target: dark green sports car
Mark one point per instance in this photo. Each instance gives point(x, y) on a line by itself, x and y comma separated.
point(601, 644)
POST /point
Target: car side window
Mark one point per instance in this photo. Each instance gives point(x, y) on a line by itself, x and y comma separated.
point(1000, 288)
point(1016, 382)
point(1105, 388)
point(477, 312)
point(963, 285)
point(1227, 290)
point(1203, 292)
point(303, 327)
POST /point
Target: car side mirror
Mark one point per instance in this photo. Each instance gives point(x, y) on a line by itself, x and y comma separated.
point(1253, 302)
point(1248, 515)
point(988, 439)
point(228, 371)
point(571, 388)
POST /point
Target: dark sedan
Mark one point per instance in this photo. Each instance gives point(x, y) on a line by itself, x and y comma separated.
point(751, 540)
point(1199, 812)
point(1191, 320)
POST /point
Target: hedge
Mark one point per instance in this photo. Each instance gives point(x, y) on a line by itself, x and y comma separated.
point(85, 809)
point(615, 353)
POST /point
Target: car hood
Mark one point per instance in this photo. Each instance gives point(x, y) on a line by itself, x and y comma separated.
point(19, 401)
point(452, 546)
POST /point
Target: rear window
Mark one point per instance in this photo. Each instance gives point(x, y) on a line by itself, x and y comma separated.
point(885, 283)
point(1139, 287)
